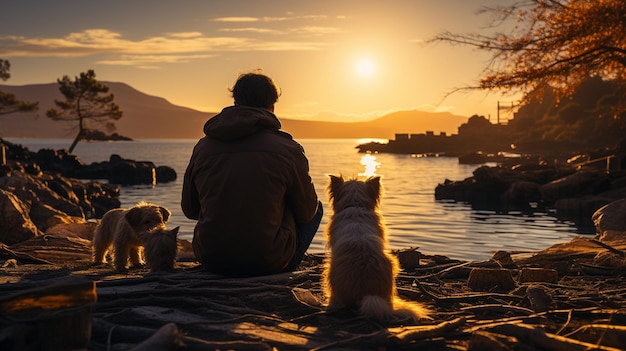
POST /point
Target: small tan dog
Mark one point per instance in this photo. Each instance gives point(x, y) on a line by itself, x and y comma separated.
point(160, 249)
point(126, 230)
point(359, 271)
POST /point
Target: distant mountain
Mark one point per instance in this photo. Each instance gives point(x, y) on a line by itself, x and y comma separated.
point(144, 117)
point(412, 122)
point(147, 117)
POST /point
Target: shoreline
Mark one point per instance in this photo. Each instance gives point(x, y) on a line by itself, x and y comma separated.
point(287, 311)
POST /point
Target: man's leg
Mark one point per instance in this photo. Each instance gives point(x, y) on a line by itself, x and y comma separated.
point(304, 236)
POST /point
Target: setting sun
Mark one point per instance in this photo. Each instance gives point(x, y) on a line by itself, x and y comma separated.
point(365, 67)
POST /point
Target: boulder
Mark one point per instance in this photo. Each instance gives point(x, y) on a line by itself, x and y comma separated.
point(97, 198)
point(73, 230)
point(14, 219)
point(59, 161)
point(32, 189)
point(575, 185)
point(31, 205)
point(610, 221)
point(165, 174)
point(117, 170)
point(129, 172)
point(521, 195)
point(579, 209)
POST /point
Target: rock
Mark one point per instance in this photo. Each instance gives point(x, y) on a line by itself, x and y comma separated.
point(473, 158)
point(59, 161)
point(165, 174)
point(46, 216)
point(539, 299)
point(99, 197)
point(33, 189)
point(31, 205)
point(129, 172)
point(483, 190)
point(14, 220)
point(504, 259)
point(117, 170)
point(521, 194)
point(408, 259)
point(610, 221)
point(579, 209)
point(609, 259)
point(490, 279)
point(538, 275)
point(576, 185)
point(78, 230)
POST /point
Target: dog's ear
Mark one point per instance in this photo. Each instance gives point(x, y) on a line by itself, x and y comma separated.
point(165, 213)
point(134, 216)
point(374, 184)
point(174, 232)
point(335, 183)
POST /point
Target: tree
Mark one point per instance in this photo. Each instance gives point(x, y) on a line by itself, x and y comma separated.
point(556, 44)
point(9, 103)
point(84, 102)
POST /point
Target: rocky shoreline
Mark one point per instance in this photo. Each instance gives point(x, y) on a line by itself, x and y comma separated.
point(574, 194)
point(571, 296)
point(41, 190)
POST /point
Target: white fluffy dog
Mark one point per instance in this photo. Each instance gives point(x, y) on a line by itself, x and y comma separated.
point(360, 272)
point(126, 229)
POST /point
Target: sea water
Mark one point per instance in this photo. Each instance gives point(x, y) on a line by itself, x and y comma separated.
point(413, 216)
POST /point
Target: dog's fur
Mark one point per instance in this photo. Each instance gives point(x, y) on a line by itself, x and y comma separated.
point(359, 271)
point(125, 229)
point(160, 249)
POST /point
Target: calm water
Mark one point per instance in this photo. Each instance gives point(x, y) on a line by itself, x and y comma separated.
point(413, 217)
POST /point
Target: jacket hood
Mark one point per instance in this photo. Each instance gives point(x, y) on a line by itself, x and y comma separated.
point(235, 122)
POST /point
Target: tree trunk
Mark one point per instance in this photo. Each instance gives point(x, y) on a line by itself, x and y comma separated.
point(78, 136)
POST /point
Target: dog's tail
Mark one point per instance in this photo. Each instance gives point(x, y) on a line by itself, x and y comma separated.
point(409, 309)
point(376, 307)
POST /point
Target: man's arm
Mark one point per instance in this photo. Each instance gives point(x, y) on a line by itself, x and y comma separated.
point(302, 193)
point(190, 202)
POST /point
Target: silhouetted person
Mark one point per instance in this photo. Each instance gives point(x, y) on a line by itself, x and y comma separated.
point(248, 186)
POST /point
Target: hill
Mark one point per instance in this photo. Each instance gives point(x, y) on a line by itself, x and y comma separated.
point(383, 127)
point(147, 117)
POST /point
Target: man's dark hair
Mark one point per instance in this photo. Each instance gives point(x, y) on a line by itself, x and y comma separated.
point(255, 89)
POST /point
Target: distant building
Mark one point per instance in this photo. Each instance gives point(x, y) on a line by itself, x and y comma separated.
point(402, 137)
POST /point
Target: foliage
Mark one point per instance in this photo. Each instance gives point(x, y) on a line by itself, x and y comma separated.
point(555, 44)
point(84, 102)
point(585, 119)
point(9, 103)
point(4, 69)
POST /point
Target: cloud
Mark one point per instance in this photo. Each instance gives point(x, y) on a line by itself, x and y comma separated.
point(316, 30)
point(143, 61)
point(236, 19)
point(271, 19)
point(166, 48)
point(251, 30)
point(436, 108)
point(185, 35)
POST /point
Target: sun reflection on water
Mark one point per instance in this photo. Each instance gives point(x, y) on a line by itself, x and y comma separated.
point(371, 165)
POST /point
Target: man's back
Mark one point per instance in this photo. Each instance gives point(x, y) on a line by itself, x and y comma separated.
point(248, 185)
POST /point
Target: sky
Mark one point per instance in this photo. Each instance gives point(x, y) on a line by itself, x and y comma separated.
point(333, 60)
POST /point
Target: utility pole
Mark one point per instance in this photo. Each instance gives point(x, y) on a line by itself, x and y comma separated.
point(502, 107)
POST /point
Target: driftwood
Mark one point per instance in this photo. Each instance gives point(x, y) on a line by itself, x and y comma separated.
point(559, 303)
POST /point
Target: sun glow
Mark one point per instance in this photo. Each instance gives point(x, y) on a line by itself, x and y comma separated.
point(365, 67)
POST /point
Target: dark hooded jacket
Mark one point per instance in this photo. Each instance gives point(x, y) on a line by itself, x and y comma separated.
point(247, 184)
